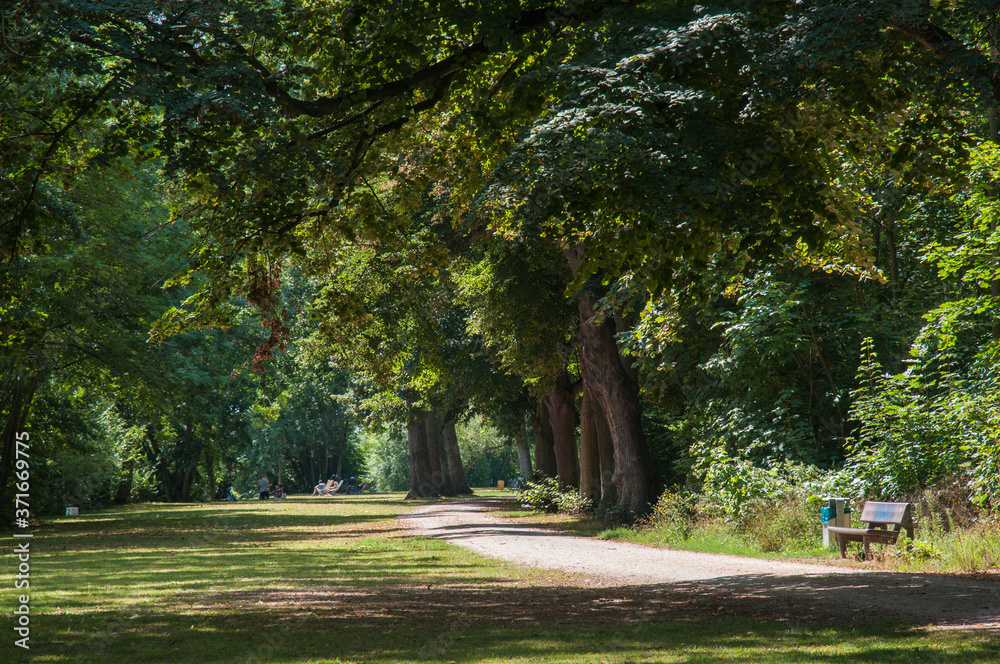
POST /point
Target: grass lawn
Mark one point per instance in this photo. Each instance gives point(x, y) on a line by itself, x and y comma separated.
point(309, 581)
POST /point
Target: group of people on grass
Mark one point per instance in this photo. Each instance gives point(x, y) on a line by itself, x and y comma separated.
point(334, 486)
point(265, 488)
point(337, 485)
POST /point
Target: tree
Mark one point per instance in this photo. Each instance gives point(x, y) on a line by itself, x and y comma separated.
point(634, 157)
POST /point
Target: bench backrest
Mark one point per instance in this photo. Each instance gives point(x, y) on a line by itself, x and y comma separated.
point(889, 514)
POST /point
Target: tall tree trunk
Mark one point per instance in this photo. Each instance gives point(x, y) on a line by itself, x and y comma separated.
point(124, 494)
point(590, 463)
point(187, 472)
point(209, 490)
point(186, 478)
point(442, 474)
point(432, 428)
point(165, 480)
point(606, 452)
point(619, 397)
point(210, 467)
point(524, 453)
point(449, 438)
point(559, 402)
point(618, 394)
point(545, 456)
point(156, 460)
point(18, 393)
point(421, 481)
point(597, 428)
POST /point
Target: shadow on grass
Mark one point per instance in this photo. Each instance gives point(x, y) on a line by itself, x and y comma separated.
point(217, 525)
point(534, 624)
point(274, 583)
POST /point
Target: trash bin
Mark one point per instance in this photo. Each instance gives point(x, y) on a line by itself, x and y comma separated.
point(834, 513)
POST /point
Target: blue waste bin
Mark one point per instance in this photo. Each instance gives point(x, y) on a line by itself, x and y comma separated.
point(835, 512)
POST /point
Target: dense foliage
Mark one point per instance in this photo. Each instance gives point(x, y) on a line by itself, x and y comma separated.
point(732, 247)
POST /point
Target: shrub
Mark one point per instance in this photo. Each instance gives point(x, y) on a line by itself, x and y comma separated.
point(574, 502)
point(947, 506)
point(540, 495)
point(908, 551)
point(729, 483)
point(675, 515)
point(927, 424)
point(776, 526)
point(546, 496)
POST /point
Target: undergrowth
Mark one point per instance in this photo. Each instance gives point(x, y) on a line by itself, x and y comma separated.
point(953, 534)
point(545, 495)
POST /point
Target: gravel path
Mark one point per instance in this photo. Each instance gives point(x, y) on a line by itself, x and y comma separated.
point(819, 590)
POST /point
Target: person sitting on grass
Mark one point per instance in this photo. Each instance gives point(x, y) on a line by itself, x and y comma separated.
point(329, 488)
point(279, 492)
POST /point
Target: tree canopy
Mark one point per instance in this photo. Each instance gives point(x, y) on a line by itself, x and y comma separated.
point(659, 232)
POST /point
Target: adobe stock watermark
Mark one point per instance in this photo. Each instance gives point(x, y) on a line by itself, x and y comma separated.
point(438, 647)
point(22, 549)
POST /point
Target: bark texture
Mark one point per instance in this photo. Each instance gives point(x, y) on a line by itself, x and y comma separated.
point(442, 482)
point(559, 402)
point(611, 386)
point(590, 464)
point(524, 454)
point(606, 452)
point(545, 457)
point(619, 397)
point(17, 393)
point(421, 482)
point(455, 469)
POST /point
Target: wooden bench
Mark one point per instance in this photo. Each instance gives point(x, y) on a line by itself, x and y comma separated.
point(878, 517)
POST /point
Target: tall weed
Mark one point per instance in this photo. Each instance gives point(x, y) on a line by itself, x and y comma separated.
point(788, 525)
point(974, 549)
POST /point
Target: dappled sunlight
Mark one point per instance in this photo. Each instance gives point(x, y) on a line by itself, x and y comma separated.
point(211, 584)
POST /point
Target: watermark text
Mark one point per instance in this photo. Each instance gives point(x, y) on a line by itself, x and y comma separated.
point(22, 518)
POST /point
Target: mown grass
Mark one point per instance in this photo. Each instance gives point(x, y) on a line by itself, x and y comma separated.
point(310, 581)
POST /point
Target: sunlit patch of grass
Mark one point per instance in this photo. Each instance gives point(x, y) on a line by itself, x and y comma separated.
point(493, 492)
point(709, 539)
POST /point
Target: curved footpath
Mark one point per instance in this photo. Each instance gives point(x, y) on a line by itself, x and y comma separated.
point(820, 590)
